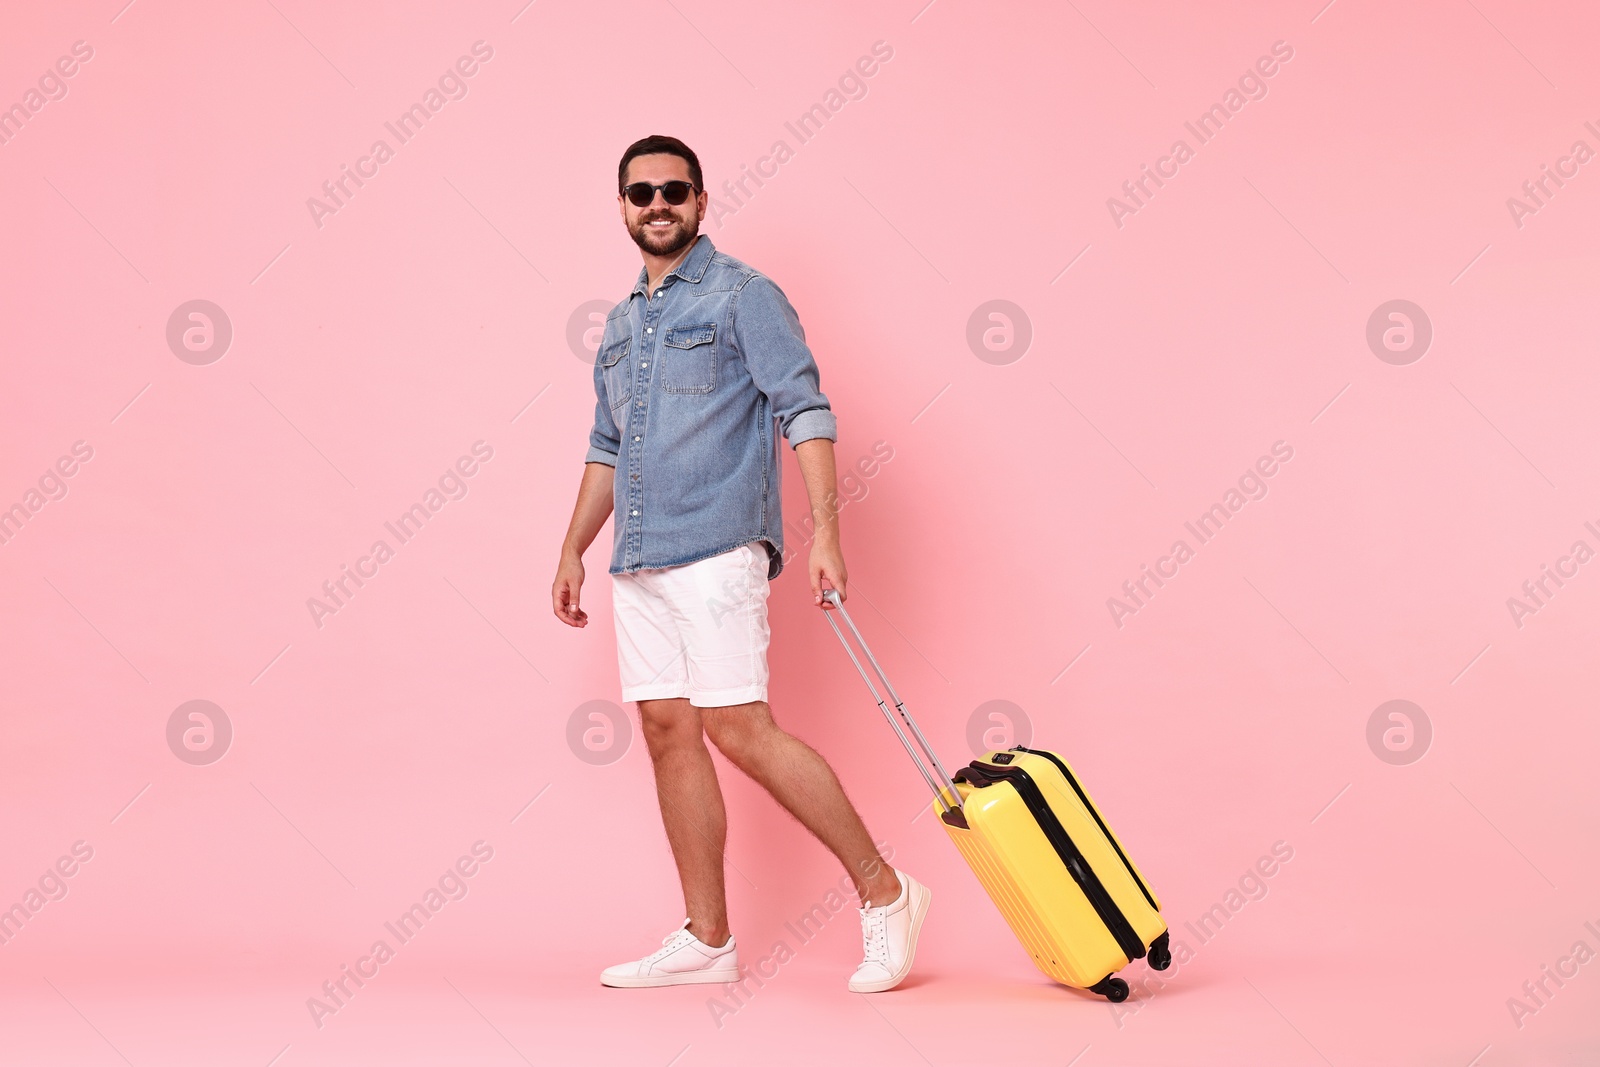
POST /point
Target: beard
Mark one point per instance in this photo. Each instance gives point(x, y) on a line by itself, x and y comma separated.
point(663, 240)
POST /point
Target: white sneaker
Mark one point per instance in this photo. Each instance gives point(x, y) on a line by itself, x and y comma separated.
point(682, 959)
point(889, 936)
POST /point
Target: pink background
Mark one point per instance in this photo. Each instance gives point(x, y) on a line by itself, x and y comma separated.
point(1167, 354)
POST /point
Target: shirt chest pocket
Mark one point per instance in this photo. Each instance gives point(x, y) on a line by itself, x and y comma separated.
point(617, 372)
point(689, 359)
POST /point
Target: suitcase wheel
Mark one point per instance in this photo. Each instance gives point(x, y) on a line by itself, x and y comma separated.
point(1160, 955)
point(1113, 989)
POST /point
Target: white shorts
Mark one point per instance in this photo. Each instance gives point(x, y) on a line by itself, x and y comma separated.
point(698, 630)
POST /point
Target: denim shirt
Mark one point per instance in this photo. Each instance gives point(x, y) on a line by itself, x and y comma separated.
point(690, 382)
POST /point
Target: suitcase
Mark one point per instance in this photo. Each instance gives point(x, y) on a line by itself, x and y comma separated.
point(1040, 848)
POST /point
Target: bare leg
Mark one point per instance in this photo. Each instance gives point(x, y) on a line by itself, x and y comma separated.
point(801, 780)
point(691, 810)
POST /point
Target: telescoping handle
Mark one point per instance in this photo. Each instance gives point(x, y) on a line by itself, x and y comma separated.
point(943, 788)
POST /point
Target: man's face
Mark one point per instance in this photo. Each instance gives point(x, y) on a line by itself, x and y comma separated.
point(660, 228)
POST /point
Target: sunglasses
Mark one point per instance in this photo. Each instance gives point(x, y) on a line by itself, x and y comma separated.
point(643, 194)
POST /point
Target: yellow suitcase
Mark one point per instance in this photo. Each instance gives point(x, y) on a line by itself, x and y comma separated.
point(1040, 848)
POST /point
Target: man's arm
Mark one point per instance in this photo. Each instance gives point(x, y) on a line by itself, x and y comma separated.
point(827, 559)
point(773, 345)
point(769, 338)
point(588, 515)
point(592, 509)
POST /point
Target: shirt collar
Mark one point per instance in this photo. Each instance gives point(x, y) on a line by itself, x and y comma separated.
point(691, 269)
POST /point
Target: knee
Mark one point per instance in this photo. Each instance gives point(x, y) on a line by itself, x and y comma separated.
point(669, 725)
point(739, 731)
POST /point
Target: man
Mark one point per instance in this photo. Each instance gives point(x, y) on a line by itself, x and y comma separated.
point(694, 367)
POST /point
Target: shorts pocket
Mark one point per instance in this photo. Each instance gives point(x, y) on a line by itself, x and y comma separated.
point(689, 359)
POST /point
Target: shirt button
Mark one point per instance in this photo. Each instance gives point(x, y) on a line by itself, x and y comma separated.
point(636, 438)
point(644, 364)
point(649, 329)
point(658, 292)
point(636, 511)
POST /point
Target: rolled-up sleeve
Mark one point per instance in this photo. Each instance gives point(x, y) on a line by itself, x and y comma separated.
point(769, 338)
point(604, 439)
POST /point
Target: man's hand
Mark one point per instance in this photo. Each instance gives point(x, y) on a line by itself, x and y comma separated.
point(564, 593)
point(827, 571)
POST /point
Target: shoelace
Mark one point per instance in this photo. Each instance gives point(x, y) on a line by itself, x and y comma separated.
point(875, 934)
point(670, 944)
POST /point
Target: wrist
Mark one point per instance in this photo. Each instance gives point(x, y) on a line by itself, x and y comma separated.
point(827, 537)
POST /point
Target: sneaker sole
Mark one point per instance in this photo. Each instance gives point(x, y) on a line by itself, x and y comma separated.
point(919, 911)
point(682, 978)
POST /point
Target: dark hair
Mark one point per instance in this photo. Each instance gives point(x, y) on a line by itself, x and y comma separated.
point(660, 145)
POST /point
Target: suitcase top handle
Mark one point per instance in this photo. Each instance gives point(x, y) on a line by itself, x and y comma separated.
point(943, 787)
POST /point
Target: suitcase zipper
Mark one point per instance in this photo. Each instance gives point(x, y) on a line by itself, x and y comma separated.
point(1122, 931)
point(1078, 789)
